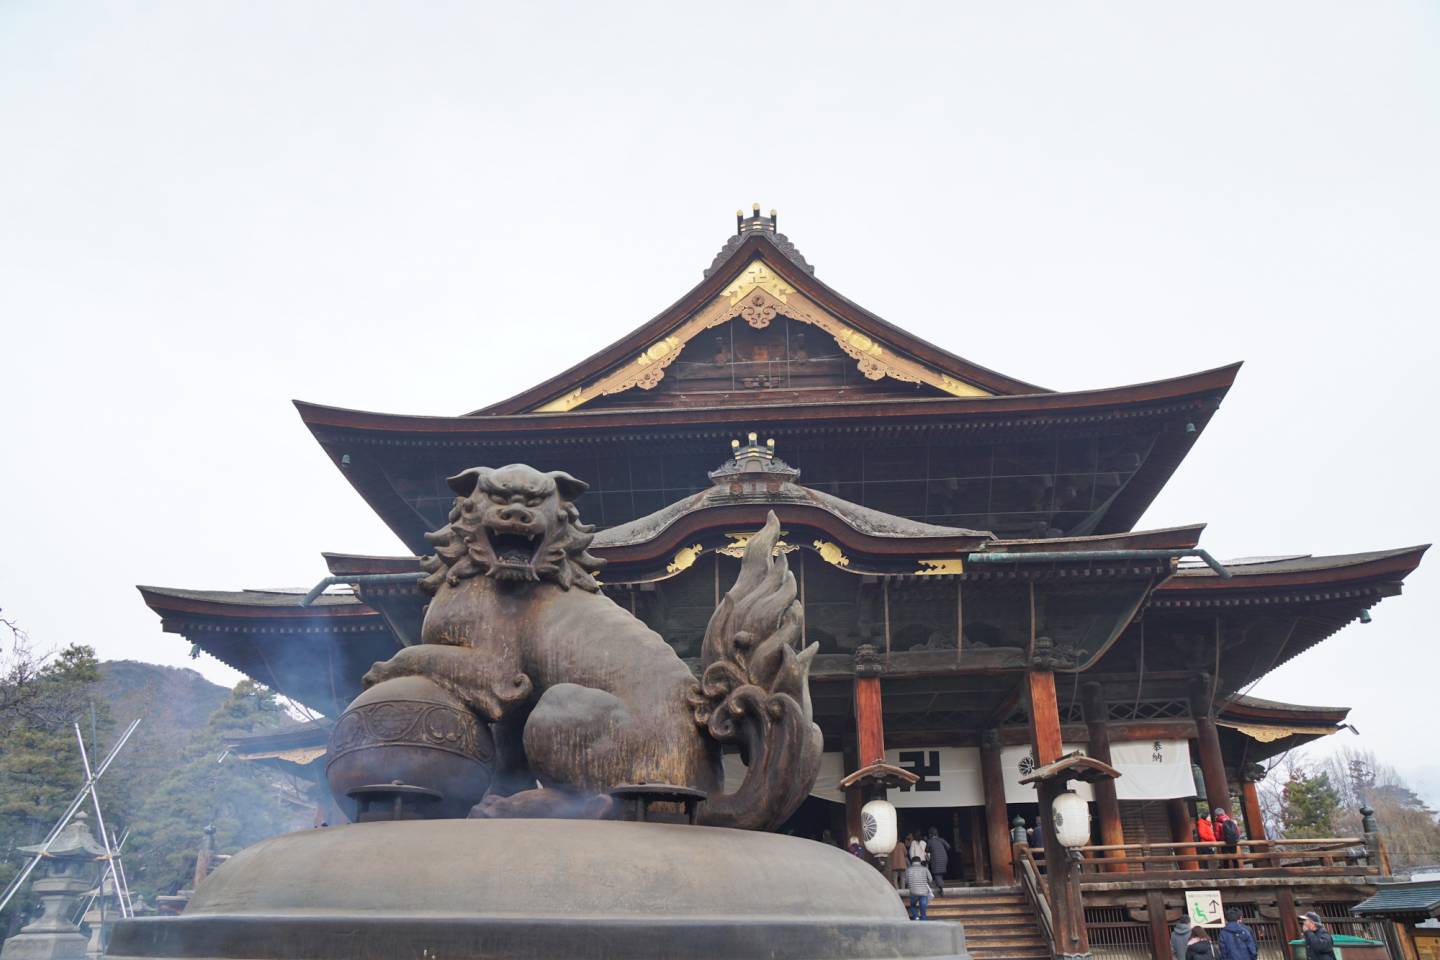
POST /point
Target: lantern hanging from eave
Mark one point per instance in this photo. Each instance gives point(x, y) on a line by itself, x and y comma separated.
point(1071, 816)
point(877, 826)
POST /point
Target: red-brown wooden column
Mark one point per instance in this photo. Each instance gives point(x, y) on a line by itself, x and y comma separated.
point(869, 708)
point(1250, 802)
point(1107, 804)
point(1182, 830)
point(1071, 937)
point(1207, 737)
point(997, 824)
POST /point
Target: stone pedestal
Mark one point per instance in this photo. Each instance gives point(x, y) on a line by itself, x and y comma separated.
point(536, 889)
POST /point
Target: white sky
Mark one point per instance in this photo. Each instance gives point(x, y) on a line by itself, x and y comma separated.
point(207, 209)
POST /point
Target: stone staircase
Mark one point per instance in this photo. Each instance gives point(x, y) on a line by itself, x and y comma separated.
point(999, 924)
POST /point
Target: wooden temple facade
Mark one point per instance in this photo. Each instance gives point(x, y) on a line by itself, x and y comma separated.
point(966, 553)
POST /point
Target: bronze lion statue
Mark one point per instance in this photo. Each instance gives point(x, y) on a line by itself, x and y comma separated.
point(582, 696)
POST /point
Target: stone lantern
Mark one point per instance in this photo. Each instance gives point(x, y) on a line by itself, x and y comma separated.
point(71, 867)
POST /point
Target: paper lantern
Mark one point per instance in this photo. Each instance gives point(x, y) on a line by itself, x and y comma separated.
point(877, 825)
point(1071, 816)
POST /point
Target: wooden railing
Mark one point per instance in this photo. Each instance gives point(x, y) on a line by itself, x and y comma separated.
point(1329, 856)
point(1032, 881)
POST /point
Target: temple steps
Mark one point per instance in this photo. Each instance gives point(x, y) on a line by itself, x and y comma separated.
point(999, 924)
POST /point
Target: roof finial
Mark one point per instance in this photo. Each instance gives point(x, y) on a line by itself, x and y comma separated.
point(752, 449)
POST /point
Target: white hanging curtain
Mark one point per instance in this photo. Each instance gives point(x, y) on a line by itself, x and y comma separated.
point(950, 776)
point(1153, 769)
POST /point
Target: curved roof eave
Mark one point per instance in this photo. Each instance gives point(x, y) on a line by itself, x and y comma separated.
point(1213, 381)
point(716, 280)
point(1307, 571)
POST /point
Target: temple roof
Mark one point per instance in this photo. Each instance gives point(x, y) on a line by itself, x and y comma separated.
point(830, 369)
point(762, 264)
point(315, 655)
point(372, 449)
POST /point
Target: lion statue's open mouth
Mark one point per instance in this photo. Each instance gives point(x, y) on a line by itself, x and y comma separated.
point(515, 553)
point(516, 525)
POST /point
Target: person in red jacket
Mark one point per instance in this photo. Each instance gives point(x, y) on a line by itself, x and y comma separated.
point(1227, 832)
point(1205, 833)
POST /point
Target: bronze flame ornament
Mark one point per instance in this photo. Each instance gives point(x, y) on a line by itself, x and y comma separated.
point(579, 695)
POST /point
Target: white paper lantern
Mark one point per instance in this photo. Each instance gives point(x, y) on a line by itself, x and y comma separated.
point(877, 826)
point(1071, 815)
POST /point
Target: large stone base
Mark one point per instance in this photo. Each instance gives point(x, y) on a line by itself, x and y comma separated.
point(533, 889)
point(45, 946)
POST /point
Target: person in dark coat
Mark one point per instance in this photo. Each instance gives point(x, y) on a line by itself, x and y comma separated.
point(1201, 947)
point(939, 859)
point(1180, 937)
point(1319, 945)
point(1236, 940)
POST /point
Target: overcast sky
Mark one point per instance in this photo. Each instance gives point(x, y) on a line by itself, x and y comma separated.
point(207, 209)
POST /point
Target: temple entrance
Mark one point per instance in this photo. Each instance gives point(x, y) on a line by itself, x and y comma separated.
point(953, 825)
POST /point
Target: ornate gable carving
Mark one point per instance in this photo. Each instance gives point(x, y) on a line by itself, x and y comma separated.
point(758, 296)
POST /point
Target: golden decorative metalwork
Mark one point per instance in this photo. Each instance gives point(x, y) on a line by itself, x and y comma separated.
point(758, 296)
point(939, 566)
point(739, 541)
point(831, 554)
point(685, 558)
point(757, 276)
point(959, 388)
point(564, 404)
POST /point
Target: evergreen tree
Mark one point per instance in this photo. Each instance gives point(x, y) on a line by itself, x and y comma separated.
point(1310, 805)
point(40, 768)
point(244, 801)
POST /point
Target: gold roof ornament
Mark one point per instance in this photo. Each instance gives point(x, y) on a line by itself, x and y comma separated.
point(685, 558)
point(940, 566)
point(831, 554)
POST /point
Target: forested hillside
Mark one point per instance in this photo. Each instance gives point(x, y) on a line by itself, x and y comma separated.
point(172, 779)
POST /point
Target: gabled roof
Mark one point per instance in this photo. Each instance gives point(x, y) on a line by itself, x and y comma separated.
point(762, 270)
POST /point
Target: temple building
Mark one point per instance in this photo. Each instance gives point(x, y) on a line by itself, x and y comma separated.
point(966, 553)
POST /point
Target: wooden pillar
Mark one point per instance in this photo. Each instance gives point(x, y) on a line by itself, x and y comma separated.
point(979, 848)
point(1289, 920)
point(1405, 939)
point(1044, 710)
point(1107, 804)
point(1250, 806)
point(1071, 937)
point(997, 824)
point(1207, 736)
point(869, 730)
point(1182, 830)
point(869, 708)
point(1159, 928)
